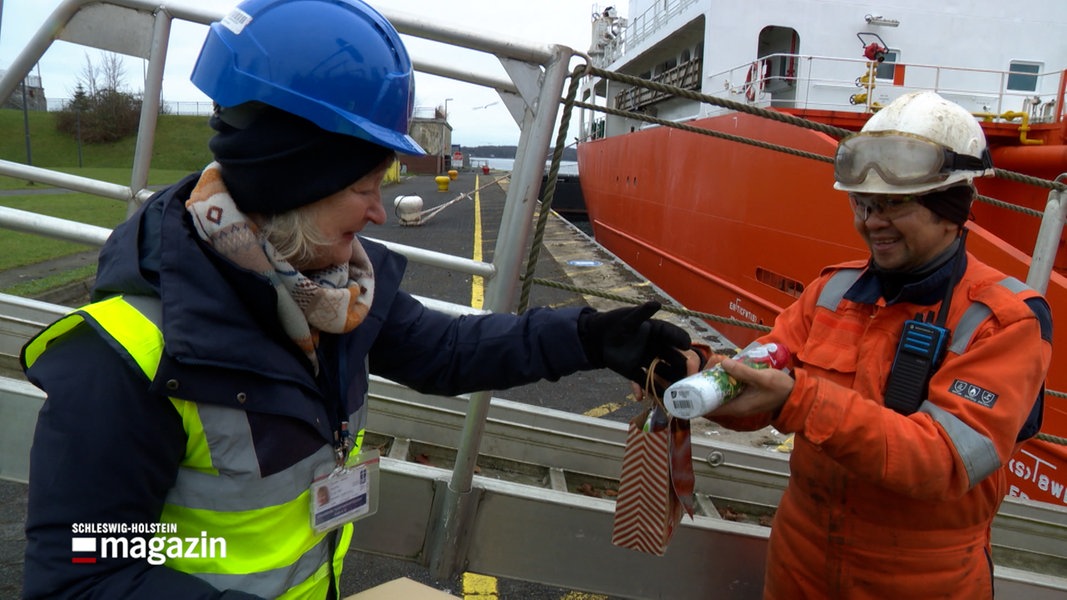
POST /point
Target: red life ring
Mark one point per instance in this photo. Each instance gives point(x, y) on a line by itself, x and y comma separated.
point(753, 82)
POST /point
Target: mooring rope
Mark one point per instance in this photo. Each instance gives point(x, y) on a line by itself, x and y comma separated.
point(837, 132)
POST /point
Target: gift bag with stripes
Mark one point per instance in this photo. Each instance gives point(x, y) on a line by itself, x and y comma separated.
point(657, 480)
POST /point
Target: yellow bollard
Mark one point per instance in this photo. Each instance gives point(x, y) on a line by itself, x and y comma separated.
point(442, 183)
point(452, 174)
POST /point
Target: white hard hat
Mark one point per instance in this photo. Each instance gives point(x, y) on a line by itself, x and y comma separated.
point(919, 143)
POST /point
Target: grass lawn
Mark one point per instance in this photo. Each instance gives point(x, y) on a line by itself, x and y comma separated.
point(180, 148)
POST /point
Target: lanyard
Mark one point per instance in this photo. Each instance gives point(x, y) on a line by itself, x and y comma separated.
point(334, 397)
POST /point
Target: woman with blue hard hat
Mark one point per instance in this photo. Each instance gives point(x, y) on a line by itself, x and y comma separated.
point(216, 388)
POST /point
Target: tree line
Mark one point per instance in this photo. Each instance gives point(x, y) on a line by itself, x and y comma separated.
point(100, 110)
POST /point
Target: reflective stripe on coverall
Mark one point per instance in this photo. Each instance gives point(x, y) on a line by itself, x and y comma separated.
point(271, 549)
point(881, 504)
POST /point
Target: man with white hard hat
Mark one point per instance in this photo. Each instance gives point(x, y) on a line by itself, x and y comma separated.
point(918, 372)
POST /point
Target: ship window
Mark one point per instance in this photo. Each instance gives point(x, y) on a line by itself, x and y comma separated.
point(1022, 76)
point(887, 67)
point(779, 282)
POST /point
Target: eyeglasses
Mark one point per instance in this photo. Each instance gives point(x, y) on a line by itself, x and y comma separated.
point(888, 207)
point(900, 159)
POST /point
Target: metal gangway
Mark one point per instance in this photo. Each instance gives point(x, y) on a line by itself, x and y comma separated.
point(540, 529)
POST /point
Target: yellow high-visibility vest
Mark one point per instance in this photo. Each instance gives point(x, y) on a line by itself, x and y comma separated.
point(271, 549)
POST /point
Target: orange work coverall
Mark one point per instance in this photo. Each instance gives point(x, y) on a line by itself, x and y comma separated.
point(879, 504)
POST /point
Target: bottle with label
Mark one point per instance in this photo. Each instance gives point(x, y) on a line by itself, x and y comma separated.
point(703, 392)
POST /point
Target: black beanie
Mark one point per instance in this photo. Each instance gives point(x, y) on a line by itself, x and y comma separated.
point(952, 204)
point(273, 161)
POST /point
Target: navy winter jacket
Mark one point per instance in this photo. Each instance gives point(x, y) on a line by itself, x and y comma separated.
point(108, 446)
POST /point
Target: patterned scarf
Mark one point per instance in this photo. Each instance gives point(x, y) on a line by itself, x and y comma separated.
point(335, 299)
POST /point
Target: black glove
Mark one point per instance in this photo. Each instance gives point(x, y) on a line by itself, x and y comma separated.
point(626, 340)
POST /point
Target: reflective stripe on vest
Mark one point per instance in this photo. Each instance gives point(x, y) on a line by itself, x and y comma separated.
point(975, 449)
point(834, 291)
point(270, 548)
point(977, 313)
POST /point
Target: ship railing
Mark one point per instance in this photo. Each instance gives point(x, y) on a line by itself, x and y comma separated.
point(1046, 244)
point(835, 83)
point(654, 19)
point(641, 28)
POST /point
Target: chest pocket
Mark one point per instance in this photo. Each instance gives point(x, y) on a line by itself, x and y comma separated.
point(834, 340)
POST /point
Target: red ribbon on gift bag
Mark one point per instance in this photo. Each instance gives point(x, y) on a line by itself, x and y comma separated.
point(657, 480)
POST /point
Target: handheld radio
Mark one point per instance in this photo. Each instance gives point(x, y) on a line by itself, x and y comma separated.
point(921, 347)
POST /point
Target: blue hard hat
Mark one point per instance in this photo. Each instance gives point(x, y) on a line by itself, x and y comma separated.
point(337, 63)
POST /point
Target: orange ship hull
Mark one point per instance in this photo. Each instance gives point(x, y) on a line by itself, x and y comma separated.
point(737, 231)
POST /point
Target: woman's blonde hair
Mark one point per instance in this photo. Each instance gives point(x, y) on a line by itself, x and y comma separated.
point(294, 235)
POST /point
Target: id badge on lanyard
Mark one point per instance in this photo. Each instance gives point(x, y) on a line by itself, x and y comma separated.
point(349, 493)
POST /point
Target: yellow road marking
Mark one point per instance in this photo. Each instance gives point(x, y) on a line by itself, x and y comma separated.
point(484, 587)
point(479, 587)
point(477, 281)
point(603, 409)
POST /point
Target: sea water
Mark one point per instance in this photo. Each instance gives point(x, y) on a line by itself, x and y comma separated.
point(566, 167)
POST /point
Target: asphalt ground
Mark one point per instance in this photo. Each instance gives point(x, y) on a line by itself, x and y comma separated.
point(569, 256)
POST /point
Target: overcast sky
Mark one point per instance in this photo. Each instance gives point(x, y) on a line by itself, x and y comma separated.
point(475, 119)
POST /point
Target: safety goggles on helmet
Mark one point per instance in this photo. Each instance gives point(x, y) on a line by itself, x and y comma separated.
point(900, 159)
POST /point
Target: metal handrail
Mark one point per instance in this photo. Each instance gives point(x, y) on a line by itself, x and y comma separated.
point(531, 88)
point(1049, 83)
